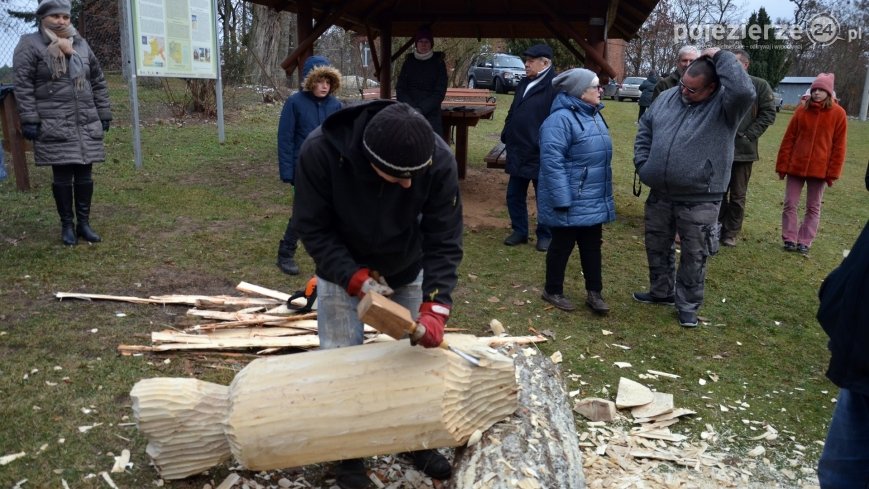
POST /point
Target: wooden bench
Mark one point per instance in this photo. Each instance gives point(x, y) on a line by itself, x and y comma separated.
point(497, 157)
point(455, 97)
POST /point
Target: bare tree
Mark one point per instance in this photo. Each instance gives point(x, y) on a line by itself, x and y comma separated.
point(655, 46)
point(268, 40)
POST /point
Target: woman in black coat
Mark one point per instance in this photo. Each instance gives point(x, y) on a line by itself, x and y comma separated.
point(422, 82)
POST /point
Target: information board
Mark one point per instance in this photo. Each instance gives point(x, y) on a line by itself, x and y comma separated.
point(174, 38)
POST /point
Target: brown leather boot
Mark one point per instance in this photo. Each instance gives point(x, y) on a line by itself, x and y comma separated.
point(596, 303)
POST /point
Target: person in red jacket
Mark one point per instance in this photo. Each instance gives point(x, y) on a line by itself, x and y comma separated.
point(812, 153)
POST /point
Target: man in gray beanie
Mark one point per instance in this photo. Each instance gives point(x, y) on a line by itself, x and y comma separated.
point(377, 207)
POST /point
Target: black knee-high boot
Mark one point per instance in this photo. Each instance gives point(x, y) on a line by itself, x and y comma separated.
point(63, 200)
point(84, 191)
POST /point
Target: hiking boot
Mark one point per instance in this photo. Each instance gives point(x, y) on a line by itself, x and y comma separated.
point(803, 249)
point(515, 239)
point(288, 265)
point(543, 244)
point(731, 242)
point(790, 246)
point(688, 319)
point(559, 301)
point(432, 463)
point(596, 303)
point(646, 298)
point(351, 474)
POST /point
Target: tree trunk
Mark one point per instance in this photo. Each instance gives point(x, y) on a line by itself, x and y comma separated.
point(312, 407)
point(268, 44)
point(537, 447)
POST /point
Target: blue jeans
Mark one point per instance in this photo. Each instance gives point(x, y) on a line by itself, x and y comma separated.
point(517, 207)
point(844, 463)
point(337, 322)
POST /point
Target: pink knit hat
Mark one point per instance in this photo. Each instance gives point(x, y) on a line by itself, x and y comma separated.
point(824, 81)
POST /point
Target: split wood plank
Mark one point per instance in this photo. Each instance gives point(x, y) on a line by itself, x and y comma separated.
point(190, 300)
point(242, 316)
point(253, 322)
point(258, 290)
point(172, 336)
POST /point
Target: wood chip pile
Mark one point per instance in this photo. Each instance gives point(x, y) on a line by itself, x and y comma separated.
point(643, 452)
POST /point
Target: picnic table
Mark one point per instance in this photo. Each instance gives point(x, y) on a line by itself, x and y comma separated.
point(462, 108)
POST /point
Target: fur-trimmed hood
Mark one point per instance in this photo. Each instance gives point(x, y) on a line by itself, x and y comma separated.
point(318, 72)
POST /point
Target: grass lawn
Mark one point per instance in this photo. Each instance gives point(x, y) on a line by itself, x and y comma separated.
point(200, 217)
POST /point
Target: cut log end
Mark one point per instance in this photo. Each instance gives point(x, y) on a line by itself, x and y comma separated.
point(183, 419)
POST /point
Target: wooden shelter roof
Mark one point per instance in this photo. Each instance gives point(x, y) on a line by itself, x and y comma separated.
point(479, 19)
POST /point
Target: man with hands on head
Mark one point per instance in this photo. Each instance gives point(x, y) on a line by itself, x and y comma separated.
point(700, 117)
point(378, 209)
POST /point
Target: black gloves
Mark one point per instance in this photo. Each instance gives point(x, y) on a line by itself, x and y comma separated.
point(30, 131)
point(106, 124)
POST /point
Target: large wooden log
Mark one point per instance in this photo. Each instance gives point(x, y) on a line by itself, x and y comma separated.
point(537, 447)
point(325, 405)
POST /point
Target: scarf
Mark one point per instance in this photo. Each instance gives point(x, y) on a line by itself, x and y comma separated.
point(59, 49)
point(423, 57)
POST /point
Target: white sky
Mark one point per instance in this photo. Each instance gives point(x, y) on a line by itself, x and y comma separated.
point(775, 8)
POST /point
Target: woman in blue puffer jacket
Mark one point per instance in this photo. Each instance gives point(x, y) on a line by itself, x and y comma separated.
point(576, 191)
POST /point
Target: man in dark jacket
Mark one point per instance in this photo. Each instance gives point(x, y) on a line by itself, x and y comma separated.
point(378, 209)
point(844, 315)
point(521, 136)
point(753, 125)
point(686, 55)
point(683, 152)
point(647, 90)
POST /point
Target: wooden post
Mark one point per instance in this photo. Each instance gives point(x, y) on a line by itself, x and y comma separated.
point(13, 140)
point(325, 405)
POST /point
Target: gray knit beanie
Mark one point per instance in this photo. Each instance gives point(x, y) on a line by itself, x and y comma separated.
point(50, 7)
point(574, 81)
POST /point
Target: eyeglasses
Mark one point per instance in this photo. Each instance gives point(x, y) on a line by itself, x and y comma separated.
point(691, 90)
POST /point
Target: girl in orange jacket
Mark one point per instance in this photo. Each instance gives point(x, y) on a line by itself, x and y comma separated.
point(812, 153)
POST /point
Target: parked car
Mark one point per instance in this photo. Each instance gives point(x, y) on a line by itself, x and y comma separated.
point(630, 88)
point(610, 89)
point(778, 100)
point(496, 71)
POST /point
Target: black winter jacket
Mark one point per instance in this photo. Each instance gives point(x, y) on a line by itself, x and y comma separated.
point(423, 86)
point(521, 133)
point(844, 315)
point(348, 217)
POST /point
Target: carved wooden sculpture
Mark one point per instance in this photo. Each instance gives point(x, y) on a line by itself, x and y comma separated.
point(325, 405)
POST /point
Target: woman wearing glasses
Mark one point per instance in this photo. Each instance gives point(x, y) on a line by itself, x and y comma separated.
point(576, 191)
point(812, 153)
